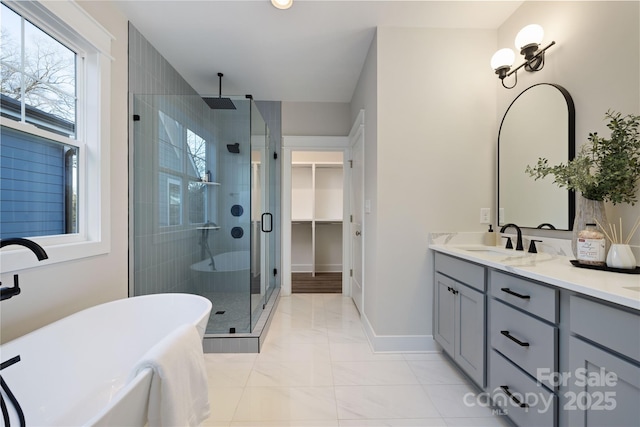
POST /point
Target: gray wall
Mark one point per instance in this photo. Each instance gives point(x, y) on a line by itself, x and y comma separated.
point(433, 107)
point(596, 58)
point(429, 150)
point(315, 118)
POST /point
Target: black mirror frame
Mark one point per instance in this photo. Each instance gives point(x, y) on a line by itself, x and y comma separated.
point(571, 142)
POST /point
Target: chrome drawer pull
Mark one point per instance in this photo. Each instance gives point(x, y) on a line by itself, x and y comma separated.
point(514, 339)
point(515, 399)
point(515, 294)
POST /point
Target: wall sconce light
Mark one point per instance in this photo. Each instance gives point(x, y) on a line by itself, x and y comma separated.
point(282, 4)
point(528, 43)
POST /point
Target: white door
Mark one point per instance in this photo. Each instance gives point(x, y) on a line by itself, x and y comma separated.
point(357, 196)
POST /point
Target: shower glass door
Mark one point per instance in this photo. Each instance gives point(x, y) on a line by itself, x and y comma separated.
point(203, 196)
point(261, 218)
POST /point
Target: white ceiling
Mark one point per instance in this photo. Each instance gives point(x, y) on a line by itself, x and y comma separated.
point(313, 52)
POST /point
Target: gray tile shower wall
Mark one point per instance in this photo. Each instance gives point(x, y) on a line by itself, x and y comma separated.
point(158, 262)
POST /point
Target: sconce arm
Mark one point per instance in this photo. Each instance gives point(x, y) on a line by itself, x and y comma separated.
point(537, 54)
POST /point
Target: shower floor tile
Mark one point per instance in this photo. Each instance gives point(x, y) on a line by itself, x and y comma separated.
point(235, 308)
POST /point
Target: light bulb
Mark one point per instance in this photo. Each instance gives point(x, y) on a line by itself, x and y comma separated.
point(502, 59)
point(529, 35)
point(282, 4)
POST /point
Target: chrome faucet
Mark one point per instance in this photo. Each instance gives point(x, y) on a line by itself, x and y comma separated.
point(519, 246)
point(6, 292)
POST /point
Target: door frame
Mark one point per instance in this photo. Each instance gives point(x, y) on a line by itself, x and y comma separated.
point(314, 143)
point(356, 134)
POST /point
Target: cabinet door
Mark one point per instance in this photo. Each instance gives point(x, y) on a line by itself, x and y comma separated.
point(590, 401)
point(470, 332)
point(444, 313)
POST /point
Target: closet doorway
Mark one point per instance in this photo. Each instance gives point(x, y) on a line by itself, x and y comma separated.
point(314, 178)
point(317, 182)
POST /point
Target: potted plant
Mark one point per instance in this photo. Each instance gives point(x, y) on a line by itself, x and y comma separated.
point(604, 170)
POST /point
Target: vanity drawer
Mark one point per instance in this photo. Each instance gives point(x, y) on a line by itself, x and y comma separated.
point(541, 403)
point(526, 341)
point(530, 296)
point(610, 327)
point(466, 272)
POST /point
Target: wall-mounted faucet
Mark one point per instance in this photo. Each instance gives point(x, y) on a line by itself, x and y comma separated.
point(519, 246)
point(6, 292)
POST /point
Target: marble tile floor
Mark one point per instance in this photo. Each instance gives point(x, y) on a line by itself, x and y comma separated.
point(316, 369)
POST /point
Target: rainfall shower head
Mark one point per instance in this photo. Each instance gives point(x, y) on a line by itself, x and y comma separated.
point(220, 103)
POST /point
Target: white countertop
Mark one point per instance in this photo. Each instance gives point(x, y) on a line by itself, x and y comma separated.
point(556, 270)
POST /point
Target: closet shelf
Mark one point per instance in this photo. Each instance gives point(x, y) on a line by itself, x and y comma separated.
point(317, 213)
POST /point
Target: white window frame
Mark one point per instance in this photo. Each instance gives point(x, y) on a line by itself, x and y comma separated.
point(72, 25)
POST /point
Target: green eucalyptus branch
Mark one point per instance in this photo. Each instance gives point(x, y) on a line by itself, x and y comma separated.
point(605, 169)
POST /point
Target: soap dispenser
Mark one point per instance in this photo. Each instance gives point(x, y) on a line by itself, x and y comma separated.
point(489, 237)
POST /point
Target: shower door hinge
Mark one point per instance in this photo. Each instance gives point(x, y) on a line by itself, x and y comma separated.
point(351, 272)
point(350, 218)
point(136, 117)
point(275, 156)
point(351, 164)
point(275, 271)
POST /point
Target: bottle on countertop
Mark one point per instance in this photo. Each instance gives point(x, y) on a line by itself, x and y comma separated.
point(489, 237)
point(591, 246)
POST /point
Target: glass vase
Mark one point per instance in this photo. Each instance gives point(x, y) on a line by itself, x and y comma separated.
point(588, 212)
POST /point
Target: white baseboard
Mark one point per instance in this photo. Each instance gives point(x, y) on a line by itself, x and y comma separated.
point(399, 343)
point(329, 268)
point(301, 268)
point(322, 268)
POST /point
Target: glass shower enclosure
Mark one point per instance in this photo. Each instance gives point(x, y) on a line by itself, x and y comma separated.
point(203, 198)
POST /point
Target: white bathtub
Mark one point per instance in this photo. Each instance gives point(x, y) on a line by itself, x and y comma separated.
point(231, 273)
point(74, 371)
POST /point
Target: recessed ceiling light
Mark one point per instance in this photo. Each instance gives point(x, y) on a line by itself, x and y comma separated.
point(282, 4)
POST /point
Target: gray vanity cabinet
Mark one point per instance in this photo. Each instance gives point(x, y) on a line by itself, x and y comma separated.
point(548, 356)
point(460, 314)
point(523, 335)
point(604, 363)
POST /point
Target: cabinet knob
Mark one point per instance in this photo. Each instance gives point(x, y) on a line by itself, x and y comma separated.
point(358, 233)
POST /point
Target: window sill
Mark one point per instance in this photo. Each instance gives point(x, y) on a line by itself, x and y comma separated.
point(17, 258)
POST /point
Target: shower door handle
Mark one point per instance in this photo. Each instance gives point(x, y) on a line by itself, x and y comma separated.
point(264, 230)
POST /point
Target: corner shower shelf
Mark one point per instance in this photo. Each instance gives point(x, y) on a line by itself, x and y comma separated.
point(208, 228)
point(209, 182)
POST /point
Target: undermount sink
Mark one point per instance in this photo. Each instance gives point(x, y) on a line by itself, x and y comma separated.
point(495, 251)
point(505, 256)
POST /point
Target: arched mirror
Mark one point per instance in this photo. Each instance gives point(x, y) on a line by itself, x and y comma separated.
point(540, 122)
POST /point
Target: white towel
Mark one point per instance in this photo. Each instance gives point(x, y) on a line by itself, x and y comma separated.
point(179, 392)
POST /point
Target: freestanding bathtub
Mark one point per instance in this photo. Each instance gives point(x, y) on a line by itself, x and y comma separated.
point(75, 371)
point(231, 273)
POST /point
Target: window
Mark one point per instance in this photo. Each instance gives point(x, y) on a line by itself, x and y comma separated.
point(38, 183)
point(38, 76)
point(54, 170)
point(182, 165)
